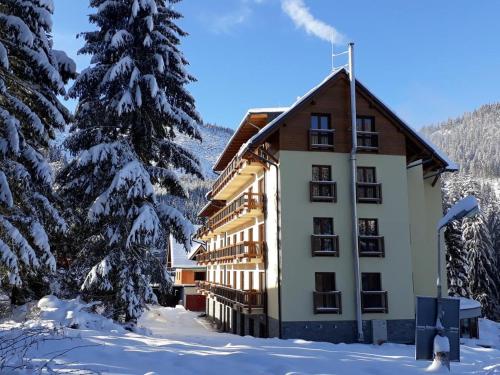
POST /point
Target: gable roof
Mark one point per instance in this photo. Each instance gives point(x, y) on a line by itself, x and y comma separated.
point(252, 123)
point(179, 257)
point(274, 124)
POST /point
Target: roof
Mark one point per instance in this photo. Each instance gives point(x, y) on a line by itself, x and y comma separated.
point(179, 257)
point(252, 123)
point(273, 125)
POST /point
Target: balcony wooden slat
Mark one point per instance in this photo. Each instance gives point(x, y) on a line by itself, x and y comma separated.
point(247, 299)
point(231, 253)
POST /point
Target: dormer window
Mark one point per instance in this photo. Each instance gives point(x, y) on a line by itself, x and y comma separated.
point(320, 132)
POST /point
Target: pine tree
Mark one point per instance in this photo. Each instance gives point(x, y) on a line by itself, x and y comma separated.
point(132, 102)
point(483, 271)
point(31, 77)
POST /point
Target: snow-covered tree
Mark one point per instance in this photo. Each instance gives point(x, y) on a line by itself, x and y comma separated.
point(132, 103)
point(31, 77)
point(471, 261)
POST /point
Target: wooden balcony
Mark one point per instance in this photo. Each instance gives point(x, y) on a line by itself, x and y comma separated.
point(243, 210)
point(323, 191)
point(328, 302)
point(371, 246)
point(325, 245)
point(233, 253)
point(369, 192)
point(367, 141)
point(321, 139)
point(374, 301)
point(238, 173)
point(252, 301)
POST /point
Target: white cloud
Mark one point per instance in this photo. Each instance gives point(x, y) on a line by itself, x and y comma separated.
point(226, 22)
point(302, 18)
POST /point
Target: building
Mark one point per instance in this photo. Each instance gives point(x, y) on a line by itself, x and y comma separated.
point(186, 272)
point(285, 256)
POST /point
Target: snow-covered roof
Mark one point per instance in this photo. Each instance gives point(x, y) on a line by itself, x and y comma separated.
point(266, 130)
point(179, 257)
point(243, 121)
point(469, 308)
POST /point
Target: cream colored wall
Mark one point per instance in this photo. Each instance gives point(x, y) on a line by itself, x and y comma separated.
point(299, 266)
point(425, 211)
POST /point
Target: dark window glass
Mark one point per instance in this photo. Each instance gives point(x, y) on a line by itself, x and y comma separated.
point(199, 276)
point(320, 122)
point(323, 225)
point(325, 281)
point(366, 174)
point(371, 282)
point(368, 227)
point(321, 173)
point(365, 124)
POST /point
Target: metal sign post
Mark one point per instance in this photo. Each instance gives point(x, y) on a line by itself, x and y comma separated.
point(426, 327)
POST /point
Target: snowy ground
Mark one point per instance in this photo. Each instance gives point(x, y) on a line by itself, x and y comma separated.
point(174, 341)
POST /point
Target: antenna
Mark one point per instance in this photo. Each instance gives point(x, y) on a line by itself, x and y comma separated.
point(334, 55)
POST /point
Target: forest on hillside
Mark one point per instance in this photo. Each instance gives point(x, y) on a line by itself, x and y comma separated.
point(473, 245)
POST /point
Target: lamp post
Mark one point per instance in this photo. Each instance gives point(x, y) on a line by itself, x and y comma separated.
point(466, 207)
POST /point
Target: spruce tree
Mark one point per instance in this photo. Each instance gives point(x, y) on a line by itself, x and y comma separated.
point(132, 102)
point(31, 77)
point(483, 271)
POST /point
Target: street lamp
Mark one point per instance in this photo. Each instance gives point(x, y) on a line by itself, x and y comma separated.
point(466, 207)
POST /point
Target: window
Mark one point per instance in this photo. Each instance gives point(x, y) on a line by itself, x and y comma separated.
point(367, 137)
point(367, 188)
point(366, 174)
point(323, 240)
point(322, 188)
point(199, 276)
point(373, 298)
point(320, 132)
point(370, 243)
point(326, 297)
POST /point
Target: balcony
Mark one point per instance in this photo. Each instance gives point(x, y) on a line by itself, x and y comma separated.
point(371, 246)
point(239, 252)
point(374, 301)
point(250, 300)
point(325, 245)
point(367, 141)
point(238, 173)
point(321, 139)
point(327, 302)
point(369, 192)
point(243, 210)
point(323, 191)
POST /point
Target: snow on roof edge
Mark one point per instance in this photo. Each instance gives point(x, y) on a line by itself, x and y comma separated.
point(249, 111)
point(451, 165)
point(294, 105)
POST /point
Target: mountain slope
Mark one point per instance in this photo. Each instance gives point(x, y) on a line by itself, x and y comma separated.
point(472, 140)
point(214, 138)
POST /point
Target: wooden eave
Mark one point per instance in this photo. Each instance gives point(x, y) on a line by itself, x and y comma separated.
point(211, 208)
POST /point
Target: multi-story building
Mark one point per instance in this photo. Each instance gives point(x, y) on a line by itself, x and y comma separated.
point(284, 255)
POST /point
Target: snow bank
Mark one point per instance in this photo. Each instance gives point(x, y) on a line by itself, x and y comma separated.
point(72, 314)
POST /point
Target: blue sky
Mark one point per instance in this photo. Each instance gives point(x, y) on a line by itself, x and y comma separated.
point(427, 59)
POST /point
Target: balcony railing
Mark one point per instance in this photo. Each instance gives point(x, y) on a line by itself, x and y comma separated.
point(367, 141)
point(371, 246)
point(374, 301)
point(325, 244)
point(323, 191)
point(247, 299)
point(246, 201)
point(327, 302)
point(321, 139)
point(247, 249)
point(369, 192)
point(230, 170)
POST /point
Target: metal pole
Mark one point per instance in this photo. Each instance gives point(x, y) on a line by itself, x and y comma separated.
point(438, 281)
point(355, 229)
